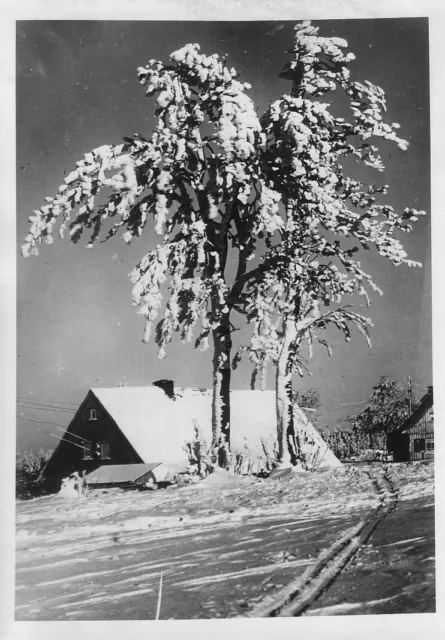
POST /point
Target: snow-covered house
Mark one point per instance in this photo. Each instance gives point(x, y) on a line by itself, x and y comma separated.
point(415, 438)
point(131, 425)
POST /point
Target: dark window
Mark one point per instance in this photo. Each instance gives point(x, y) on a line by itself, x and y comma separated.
point(430, 445)
point(104, 449)
point(87, 450)
point(93, 414)
point(419, 445)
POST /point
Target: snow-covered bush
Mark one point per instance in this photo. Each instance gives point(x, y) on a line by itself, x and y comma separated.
point(199, 453)
point(29, 481)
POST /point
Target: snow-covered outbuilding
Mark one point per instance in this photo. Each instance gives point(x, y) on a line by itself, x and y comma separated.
point(122, 475)
point(151, 424)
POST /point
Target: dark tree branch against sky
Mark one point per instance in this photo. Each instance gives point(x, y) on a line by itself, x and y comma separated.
point(77, 89)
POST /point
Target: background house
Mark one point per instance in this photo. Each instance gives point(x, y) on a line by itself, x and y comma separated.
point(131, 425)
point(415, 439)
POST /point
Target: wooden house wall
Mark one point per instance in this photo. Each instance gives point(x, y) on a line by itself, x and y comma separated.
point(425, 425)
point(404, 443)
point(422, 455)
point(422, 431)
point(68, 457)
point(425, 450)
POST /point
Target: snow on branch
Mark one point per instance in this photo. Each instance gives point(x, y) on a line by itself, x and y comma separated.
point(215, 177)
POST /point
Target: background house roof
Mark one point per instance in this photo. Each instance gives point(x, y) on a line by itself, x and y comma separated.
point(158, 427)
point(119, 473)
point(425, 404)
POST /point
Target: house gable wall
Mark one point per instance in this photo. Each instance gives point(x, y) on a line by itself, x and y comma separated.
point(68, 457)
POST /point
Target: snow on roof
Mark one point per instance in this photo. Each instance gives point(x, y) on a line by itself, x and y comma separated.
point(158, 427)
point(119, 473)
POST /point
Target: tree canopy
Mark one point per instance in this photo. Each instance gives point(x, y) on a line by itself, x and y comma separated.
point(326, 216)
point(387, 410)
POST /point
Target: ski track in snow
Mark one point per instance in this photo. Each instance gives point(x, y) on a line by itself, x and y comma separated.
point(271, 568)
point(401, 542)
point(347, 607)
point(106, 598)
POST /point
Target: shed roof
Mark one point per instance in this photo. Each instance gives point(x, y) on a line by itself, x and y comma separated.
point(158, 426)
point(117, 473)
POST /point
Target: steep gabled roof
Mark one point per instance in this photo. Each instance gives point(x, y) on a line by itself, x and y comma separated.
point(158, 427)
point(425, 404)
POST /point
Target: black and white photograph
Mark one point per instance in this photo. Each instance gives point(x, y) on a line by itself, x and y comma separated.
point(225, 401)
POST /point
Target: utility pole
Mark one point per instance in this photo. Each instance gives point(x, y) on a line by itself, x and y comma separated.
point(410, 395)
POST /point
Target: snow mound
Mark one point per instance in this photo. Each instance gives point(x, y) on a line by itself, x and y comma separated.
point(222, 478)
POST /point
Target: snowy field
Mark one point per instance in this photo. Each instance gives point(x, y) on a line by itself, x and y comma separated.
point(222, 545)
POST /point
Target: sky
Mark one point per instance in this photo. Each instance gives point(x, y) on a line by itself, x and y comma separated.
point(76, 326)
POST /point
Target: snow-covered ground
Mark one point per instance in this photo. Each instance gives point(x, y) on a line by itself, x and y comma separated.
point(221, 545)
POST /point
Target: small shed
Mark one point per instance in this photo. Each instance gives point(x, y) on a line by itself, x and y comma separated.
point(415, 439)
point(121, 475)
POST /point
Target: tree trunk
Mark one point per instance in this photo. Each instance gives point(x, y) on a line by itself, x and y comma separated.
point(284, 403)
point(221, 394)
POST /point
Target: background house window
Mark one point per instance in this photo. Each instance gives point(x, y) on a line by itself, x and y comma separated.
point(419, 445)
point(104, 449)
point(430, 445)
point(87, 450)
point(93, 414)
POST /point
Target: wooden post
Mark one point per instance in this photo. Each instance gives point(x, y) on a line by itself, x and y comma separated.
point(410, 395)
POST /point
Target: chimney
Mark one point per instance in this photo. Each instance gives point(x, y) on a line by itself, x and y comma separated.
point(168, 386)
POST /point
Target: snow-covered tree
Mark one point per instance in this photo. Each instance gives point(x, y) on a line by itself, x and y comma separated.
point(309, 399)
point(199, 176)
point(387, 410)
point(266, 194)
point(324, 216)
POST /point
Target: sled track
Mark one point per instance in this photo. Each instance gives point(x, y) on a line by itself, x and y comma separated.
point(297, 596)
